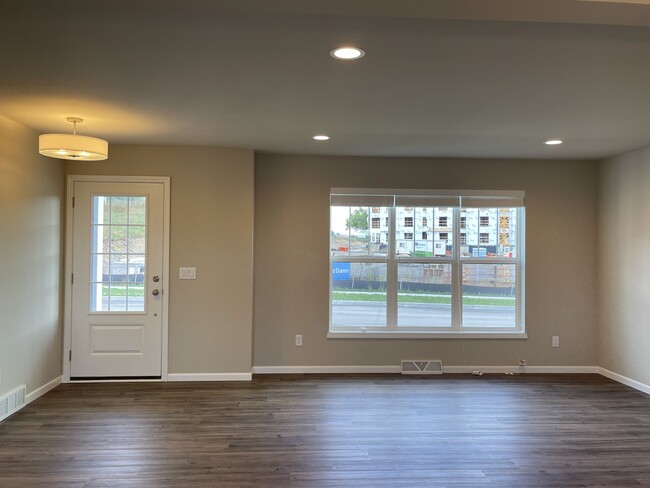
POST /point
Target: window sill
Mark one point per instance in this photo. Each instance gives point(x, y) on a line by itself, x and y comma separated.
point(369, 334)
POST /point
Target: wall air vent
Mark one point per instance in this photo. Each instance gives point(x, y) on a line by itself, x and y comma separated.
point(12, 402)
point(426, 366)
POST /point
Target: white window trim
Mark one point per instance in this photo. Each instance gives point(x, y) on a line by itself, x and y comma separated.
point(392, 330)
point(410, 334)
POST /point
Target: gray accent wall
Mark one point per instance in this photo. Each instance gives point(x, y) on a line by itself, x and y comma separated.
point(292, 259)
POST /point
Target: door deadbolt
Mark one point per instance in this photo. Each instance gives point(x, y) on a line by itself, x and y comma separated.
point(156, 279)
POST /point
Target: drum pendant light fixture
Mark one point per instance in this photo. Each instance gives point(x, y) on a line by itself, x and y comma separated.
point(72, 146)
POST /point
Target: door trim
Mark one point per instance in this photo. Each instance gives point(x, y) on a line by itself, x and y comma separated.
point(67, 277)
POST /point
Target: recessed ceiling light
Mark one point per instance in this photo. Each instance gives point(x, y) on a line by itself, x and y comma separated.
point(347, 52)
point(553, 142)
point(321, 137)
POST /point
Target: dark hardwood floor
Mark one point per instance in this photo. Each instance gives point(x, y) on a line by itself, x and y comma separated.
point(326, 431)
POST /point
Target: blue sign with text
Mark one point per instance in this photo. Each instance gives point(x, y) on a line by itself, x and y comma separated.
point(340, 271)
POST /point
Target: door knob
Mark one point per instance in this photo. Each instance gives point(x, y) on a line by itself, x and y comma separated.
point(155, 293)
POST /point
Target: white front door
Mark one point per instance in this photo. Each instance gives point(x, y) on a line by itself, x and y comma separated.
point(117, 277)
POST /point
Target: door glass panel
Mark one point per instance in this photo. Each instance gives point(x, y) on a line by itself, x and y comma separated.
point(101, 237)
point(117, 297)
point(119, 210)
point(118, 268)
point(136, 239)
point(118, 254)
point(118, 238)
point(137, 210)
point(136, 296)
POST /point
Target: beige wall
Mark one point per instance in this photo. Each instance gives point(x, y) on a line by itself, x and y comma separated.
point(624, 265)
point(210, 318)
point(216, 192)
point(291, 258)
point(31, 195)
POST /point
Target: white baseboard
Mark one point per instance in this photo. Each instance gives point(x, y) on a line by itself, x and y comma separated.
point(637, 385)
point(324, 369)
point(523, 369)
point(33, 395)
point(209, 377)
point(38, 392)
point(398, 369)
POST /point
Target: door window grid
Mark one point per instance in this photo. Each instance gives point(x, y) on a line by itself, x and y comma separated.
point(118, 254)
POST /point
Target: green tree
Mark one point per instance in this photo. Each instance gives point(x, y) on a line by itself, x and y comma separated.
point(358, 220)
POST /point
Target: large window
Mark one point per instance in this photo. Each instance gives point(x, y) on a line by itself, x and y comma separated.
point(405, 277)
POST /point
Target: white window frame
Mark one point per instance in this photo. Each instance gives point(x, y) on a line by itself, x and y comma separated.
point(499, 199)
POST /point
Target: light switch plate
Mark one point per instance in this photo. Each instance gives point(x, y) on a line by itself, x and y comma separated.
point(187, 273)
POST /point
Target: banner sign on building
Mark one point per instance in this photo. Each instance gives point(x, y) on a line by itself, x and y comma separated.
point(340, 271)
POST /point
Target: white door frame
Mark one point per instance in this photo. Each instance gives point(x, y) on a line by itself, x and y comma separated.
point(67, 310)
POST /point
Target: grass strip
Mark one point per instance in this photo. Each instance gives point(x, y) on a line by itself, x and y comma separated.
point(120, 291)
point(415, 298)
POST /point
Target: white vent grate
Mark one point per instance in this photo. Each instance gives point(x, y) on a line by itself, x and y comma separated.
point(425, 366)
point(12, 401)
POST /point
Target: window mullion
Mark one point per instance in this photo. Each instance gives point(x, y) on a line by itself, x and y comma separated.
point(391, 273)
point(520, 269)
point(456, 282)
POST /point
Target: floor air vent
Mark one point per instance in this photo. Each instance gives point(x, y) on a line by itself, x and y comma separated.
point(428, 366)
point(11, 402)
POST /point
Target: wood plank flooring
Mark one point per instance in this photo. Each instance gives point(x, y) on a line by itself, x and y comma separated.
point(328, 431)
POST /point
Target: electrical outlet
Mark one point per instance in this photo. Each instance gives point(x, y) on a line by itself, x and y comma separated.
point(298, 340)
point(556, 341)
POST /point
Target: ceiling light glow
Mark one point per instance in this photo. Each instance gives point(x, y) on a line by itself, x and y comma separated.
point(553, 142)
point(347, 52)
point(321, 137)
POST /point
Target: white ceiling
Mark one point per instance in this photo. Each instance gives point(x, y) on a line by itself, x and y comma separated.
point(459, 78)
